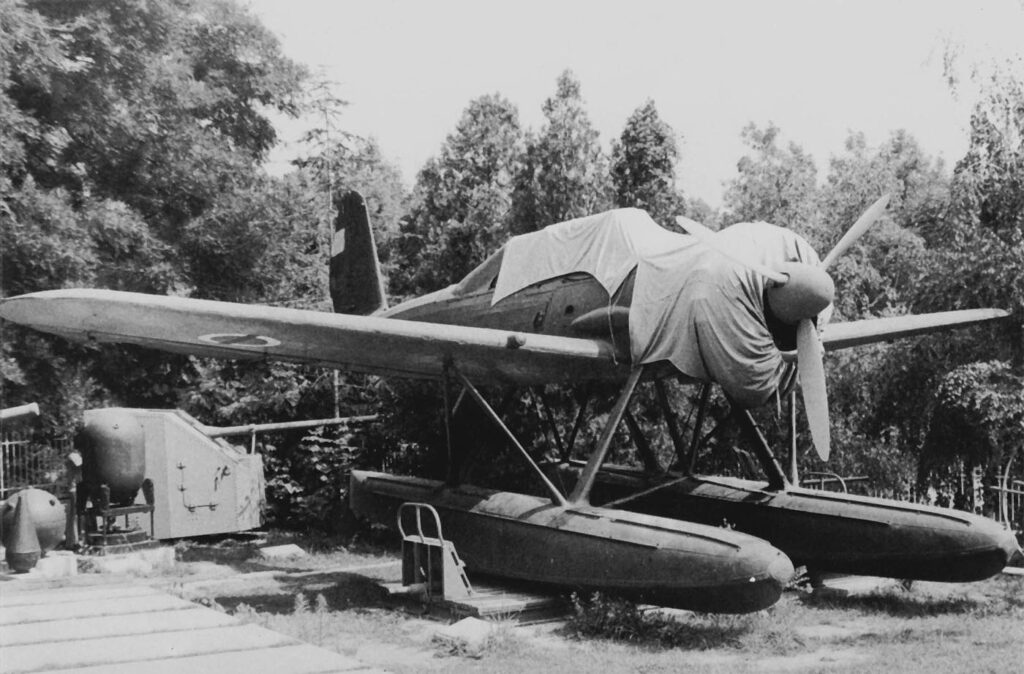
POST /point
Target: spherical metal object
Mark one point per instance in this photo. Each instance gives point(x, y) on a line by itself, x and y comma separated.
point(113, 454)
point(45, 512)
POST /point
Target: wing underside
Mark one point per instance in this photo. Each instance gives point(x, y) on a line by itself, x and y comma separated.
point(355, 343)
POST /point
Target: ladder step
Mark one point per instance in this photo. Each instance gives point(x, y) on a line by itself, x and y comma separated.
point(398, 590)
point(449, 574)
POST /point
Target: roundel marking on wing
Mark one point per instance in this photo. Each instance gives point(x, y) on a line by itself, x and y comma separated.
point(239, 339)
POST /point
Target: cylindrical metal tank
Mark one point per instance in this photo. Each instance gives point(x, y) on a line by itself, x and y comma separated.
point(20, 413)
point(113, 448)
point(45, 511)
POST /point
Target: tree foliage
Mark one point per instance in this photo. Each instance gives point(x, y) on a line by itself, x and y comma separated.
point(879, 274)
point(564, 172)
point(461, 201)
point(978, 417)
point(966, 253)
point(132, 137)
point(773, 184)
point(643, 166)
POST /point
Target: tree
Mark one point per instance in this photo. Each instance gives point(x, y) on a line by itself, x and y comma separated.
point(979, 246)
point(979, 251)
point(304, 213)
point(132, 137)
point(978, 418)
point(930, 388)
point(461, 201)
point(146, 117)
point(564, 173)
point(336, 161)
point(643, 166)
point(774, 184)
point(699, 210)
point(880, 273)
point(29, 53)
point(159, 105)
point(878, 276)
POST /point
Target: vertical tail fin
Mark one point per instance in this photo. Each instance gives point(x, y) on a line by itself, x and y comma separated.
point(357, 286)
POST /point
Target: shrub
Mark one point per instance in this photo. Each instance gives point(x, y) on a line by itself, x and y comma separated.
point(614, 618)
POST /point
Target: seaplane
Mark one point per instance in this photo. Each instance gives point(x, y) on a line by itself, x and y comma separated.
point(608, 299)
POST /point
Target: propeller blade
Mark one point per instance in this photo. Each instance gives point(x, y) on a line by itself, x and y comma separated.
point(812, 385)
point(862, 225)
point(707, 237)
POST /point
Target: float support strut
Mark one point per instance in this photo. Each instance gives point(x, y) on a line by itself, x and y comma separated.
point(556, 495)
point(581, 494)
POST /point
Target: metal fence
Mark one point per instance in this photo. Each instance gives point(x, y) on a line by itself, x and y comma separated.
point(28, 459)
point(1009, 494)
point(1010, 500)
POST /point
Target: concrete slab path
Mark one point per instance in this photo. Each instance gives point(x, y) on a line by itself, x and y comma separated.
point(132, 627)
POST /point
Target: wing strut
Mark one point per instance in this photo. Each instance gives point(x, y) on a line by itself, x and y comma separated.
point(449, 412)
point(583, 401)
point(581, 494)
point(456, 453)
point(698, 426)
point(794, 476)
point(541, 401)
point(776, 477)
point(651, 463)
point(556, 495)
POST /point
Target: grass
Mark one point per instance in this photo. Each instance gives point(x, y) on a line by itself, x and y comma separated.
point(886, 631)
point(997, 597)
point(975, 627)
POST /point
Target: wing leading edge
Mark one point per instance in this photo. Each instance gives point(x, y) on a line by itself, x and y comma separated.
point(868, 331)
point(356, 343)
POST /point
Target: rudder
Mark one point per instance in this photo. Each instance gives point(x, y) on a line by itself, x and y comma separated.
point(357, 286)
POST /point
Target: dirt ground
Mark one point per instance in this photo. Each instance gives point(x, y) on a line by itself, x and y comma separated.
point(332, 598)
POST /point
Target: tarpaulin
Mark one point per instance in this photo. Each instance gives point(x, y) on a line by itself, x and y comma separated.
point(691, 306)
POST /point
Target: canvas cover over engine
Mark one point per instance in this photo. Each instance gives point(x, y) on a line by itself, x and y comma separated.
point(691, 306)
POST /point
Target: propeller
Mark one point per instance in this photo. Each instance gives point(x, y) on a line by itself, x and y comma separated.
point(811, 370)
point(862, 225)
point(707, 237)
point(797, 294)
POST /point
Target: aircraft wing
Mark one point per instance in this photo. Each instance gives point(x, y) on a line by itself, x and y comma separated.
point(356, 343)
point(867, 331)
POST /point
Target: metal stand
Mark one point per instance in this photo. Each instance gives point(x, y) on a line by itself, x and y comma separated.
point(106, 537)
point(430, 562)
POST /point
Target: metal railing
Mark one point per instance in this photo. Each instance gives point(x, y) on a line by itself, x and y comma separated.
point(28, 459)
point(824, 480)
point(1010, 500)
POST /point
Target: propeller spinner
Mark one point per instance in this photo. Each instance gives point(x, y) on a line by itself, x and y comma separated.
point(797, 294)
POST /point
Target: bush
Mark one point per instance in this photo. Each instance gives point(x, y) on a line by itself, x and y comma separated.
point(306, 486)
point(614, 618)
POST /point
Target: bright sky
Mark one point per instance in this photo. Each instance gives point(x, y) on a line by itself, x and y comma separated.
point(816, 68)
